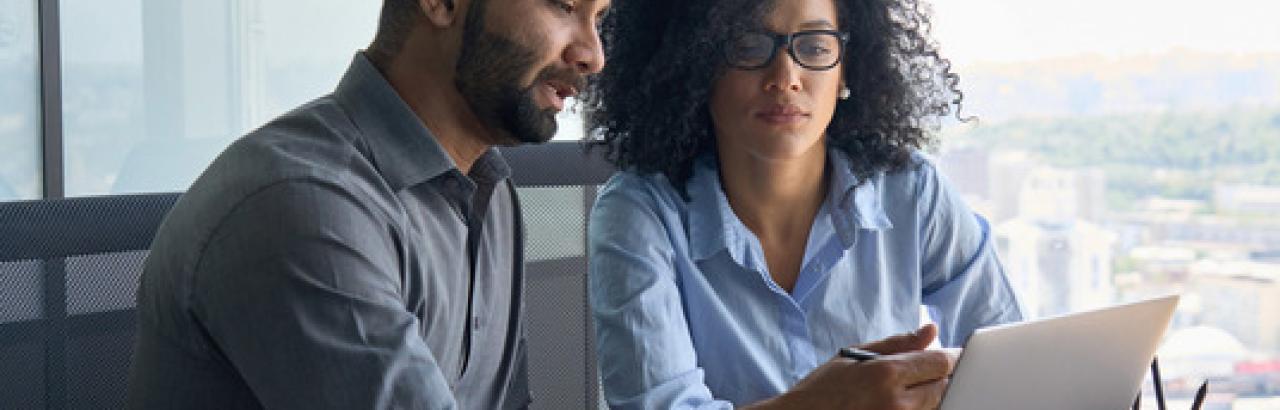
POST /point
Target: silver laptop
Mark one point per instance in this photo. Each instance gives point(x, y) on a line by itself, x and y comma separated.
point(1089, 360)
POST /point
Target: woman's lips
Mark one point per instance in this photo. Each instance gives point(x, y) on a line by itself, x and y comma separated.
point(782, 115)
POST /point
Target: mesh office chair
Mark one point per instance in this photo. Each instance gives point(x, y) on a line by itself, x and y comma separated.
point(557, 186)
point(68, 276)
point(69, 270)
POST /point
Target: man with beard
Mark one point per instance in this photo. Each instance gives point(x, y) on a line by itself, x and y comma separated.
point(363, 251)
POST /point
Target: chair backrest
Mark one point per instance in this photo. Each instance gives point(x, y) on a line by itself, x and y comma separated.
point(68, 276)
point(69, 270)
point(557, 185)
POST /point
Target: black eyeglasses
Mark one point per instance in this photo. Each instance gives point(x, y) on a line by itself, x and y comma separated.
point(817, 50)
point(1159, 390)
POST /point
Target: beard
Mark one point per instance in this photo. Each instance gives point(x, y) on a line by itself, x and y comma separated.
point(488, 77)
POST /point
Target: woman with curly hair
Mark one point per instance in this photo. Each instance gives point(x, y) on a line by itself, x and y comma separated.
point(773, 207)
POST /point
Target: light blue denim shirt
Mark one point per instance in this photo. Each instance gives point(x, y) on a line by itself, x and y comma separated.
point(688, 316)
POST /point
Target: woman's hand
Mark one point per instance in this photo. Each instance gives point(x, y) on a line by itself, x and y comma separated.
point(906, 377)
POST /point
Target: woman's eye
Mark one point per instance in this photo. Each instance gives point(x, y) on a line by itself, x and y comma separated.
point(815, 50)
point(565, 6)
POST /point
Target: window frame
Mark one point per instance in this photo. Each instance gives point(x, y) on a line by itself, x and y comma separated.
point(52, 177)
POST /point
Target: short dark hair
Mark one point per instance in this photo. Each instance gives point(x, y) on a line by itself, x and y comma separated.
point(394, 25)
point(649, 108)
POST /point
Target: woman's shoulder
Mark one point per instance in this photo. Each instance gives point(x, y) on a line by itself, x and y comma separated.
point(636, 210)
point(917, 174)
point(634, 188)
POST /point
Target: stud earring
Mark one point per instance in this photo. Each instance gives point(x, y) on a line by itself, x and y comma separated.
point(844, 93)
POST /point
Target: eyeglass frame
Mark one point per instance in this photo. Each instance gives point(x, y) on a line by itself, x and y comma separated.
point(780, 40)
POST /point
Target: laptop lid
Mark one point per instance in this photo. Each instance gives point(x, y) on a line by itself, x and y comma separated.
point(1088, 360)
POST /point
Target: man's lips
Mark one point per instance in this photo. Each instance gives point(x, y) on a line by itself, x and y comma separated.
point(552, 96)
point(557, 92)
point(563, 89)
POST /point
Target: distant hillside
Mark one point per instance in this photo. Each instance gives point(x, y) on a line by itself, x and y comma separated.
point(1169, 154)
point(1093, 86)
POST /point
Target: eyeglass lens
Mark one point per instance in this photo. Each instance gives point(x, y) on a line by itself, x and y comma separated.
point(813, 50)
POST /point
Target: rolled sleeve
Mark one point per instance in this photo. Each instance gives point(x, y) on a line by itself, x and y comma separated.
point(964, 284)
point(299, 289)
point(647, 358)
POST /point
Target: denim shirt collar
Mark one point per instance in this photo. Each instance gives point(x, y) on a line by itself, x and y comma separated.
point(853, 204)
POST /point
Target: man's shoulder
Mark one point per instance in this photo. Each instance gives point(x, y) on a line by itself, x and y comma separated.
point(315, 142)
point(304, 159)
point(317, 137)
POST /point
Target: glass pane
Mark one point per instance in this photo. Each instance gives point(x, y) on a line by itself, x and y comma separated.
point(570, 122)
point(1116, 164)
point(155, 89)
point(19, 101)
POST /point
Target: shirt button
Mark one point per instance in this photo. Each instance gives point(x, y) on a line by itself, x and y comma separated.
point(475, 323)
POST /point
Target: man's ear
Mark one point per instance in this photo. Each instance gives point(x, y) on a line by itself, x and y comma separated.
point(440, 13)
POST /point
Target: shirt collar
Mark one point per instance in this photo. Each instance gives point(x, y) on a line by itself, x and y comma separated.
point(853, 204)
point(401, 146)
point(712, 224)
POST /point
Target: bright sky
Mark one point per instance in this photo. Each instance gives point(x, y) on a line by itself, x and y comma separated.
point(1016, 30)
point(970, 30)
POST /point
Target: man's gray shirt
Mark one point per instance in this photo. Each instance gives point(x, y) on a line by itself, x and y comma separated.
point(336, 258)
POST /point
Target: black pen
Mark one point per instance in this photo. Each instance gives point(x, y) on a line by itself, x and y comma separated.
point(1204, 389)
point(1159, 381)
point(858, 354)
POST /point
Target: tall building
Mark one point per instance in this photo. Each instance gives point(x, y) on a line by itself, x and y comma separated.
point(1210, 229)
point(1247, 199)
point(1058, 259)
point(1060, 195)
point(968, 169)
point(1007, 171)
point(1242, 298)
point(1057, 267)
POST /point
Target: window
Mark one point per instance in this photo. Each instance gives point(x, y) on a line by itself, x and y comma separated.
point(155, 89)
point(1125, 149)
point(1138, 141)
point(20, 105)
point(571, 123)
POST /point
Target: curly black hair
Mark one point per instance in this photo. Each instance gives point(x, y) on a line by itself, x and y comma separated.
point(649, 108)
